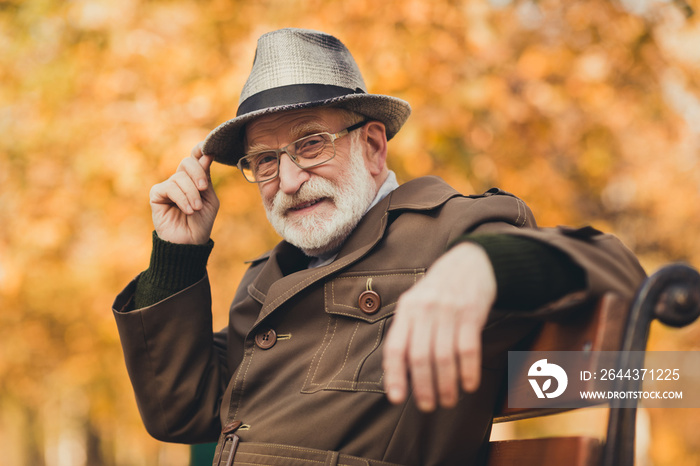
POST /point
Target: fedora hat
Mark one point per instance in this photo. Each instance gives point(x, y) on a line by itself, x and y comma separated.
point(295, 69)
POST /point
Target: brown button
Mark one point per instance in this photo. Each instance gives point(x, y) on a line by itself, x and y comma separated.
point(369, 302)
point(231, 427)
point(266, 339)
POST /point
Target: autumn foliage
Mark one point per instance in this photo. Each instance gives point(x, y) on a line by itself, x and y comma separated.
point(588, 110)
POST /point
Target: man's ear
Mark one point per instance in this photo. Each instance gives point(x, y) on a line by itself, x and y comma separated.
point(374, 134)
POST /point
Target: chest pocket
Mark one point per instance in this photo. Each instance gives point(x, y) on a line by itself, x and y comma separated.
point(358, 306)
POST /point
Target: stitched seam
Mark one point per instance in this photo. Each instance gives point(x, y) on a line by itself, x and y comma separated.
point(238, 374)
point(521, 204)
point(312, 278)
point(312, 384)
point(259, 295)
point(366, 319)
point(376, 345)
point(352, 381)
point(347, 353)
point(320, 358)
point(299, 449)
point(354, 277)
point(416, 272)
point(362, 362)
point(262, 455)
point(242, 389)
point(324, 345)
point(279, 445)
point(420, 206)
point(342, 388)
point(342, 457)
point(300, 285)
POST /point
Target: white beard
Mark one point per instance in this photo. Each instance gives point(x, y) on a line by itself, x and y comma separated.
point(317, 234)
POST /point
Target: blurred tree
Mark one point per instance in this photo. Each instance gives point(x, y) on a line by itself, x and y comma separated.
point(589, 110)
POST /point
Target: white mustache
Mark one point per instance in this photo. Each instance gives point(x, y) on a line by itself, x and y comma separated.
point(311, 191)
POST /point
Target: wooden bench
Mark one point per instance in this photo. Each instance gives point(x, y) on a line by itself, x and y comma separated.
point(672, 296)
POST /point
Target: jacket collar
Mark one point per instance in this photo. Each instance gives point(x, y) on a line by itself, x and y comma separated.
point(425, 193)
point(276, 284)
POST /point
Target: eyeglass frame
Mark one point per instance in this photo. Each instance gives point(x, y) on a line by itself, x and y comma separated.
point(285, 149)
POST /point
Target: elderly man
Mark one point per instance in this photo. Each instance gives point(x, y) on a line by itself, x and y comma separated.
point(376, 332)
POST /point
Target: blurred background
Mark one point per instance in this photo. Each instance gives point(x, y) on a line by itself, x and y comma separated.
point(588, 110)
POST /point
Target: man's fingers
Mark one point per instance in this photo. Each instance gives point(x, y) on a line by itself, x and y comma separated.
point(439, 356)
point(420, 357)
point(439, 322)
point(196, 151)
point(469, 350)
point(185, 205)
point(180, 190)
point(191, 192)
point(394, 361)
point(446, 362)
point(170, 193)
point(197, 170)
point(205, 161)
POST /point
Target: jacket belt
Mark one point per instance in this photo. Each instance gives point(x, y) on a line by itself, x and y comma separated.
point(269, 454)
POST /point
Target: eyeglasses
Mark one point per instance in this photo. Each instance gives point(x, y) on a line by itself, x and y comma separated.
point(307, 152)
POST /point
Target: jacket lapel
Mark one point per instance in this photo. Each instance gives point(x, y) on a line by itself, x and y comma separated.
point(279, 281)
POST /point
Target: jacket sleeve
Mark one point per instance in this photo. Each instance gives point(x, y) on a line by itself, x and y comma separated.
point(176, 363)
point(608, 265)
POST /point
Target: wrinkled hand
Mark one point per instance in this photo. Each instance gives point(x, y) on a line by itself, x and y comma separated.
point(184, 206)
point(436, 334)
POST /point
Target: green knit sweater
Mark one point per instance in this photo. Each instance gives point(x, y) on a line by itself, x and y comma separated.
point(528, 273)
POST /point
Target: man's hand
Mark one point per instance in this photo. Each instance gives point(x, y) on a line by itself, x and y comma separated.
point(436, 334)
point(185, 205)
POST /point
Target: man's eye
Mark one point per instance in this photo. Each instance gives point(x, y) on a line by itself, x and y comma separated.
point(310, 145)
point(266, 159)
point(312, 141)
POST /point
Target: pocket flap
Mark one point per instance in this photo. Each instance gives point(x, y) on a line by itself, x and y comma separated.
point(342, 293)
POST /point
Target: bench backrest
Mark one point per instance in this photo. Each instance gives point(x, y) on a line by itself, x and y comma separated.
point(671, 295)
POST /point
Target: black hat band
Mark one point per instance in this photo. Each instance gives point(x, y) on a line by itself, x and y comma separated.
point(293, 94)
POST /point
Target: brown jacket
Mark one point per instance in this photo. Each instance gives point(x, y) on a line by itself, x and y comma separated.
point(320, 385)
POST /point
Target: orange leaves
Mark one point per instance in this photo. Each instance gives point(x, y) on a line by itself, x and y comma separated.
point(587, 111)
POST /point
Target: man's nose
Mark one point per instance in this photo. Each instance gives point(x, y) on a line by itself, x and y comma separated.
point(291, 177)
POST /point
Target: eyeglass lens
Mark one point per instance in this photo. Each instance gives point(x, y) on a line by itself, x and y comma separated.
point(305, 152)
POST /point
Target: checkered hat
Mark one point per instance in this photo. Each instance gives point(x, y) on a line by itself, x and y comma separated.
point(295, 69)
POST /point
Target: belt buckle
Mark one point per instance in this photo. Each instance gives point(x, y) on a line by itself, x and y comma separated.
point(226, 450)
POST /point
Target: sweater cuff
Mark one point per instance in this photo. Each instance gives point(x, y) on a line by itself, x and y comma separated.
point(529, 273)
point(173, 268)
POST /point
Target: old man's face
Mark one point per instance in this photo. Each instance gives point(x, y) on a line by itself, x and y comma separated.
point(314, 209)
